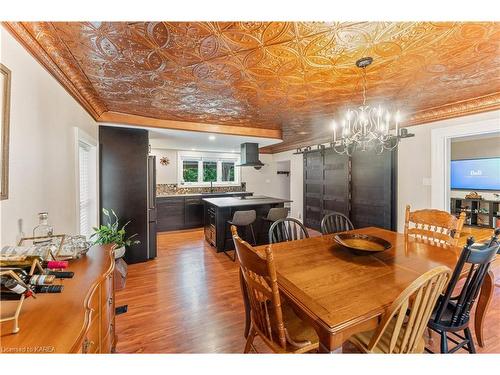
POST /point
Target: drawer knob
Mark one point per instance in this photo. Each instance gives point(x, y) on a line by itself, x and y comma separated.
point(110, 301)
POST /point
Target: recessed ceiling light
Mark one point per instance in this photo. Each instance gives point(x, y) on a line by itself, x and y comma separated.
point(193, 149)
point(212, 137)
point(303, 133)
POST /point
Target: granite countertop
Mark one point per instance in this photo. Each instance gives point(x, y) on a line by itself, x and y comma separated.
point(201, 194)
point(256, 200)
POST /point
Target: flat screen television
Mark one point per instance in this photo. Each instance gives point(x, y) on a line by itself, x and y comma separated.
point(475, 174)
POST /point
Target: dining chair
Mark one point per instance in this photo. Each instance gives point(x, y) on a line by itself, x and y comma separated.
point(335, 222)
point(452, 313)
point(275, 323)
point(434, 225)
point(402, 327)
point(288, 229)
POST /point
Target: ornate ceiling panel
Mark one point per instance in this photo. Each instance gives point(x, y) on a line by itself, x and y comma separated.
point(286, 76)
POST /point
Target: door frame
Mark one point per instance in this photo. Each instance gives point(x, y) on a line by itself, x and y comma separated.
point(479, 124)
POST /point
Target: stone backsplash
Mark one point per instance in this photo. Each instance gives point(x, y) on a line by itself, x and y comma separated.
point(174, 189)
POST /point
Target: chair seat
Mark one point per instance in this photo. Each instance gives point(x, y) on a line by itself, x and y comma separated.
point(445, 321)
point(301, 336)
point(362, 340)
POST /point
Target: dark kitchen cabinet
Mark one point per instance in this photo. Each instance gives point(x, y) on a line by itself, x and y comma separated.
point(193, 212)
point(126, 185)
point(184, 211)
point(170, 214)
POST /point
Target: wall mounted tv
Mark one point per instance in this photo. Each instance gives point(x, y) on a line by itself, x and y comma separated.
point(475, 174)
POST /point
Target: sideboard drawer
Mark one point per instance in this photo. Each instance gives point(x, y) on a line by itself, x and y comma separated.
point(91, 342)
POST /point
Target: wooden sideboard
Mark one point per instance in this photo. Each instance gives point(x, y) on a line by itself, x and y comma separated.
point(81, 319)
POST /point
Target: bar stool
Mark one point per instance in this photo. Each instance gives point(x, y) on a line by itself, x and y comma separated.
point(242, 219)
point(276, 213)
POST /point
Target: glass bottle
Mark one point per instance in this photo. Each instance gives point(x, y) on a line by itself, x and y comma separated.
point(43, 229)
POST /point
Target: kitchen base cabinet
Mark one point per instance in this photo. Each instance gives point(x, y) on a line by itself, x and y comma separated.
point(184, 211)
point(170, 214)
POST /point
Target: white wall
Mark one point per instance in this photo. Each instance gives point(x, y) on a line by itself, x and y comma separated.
point(165, 174)
point(42, 146)
point(414, 162)
point(296, 181)
point(476, 148)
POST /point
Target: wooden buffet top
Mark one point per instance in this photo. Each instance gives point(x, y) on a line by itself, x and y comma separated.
point(57, 323)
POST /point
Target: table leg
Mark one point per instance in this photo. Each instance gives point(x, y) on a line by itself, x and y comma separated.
point(329, 343)
point(482, 306)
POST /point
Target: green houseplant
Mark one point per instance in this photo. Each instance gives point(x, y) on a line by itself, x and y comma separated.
point(112, 233)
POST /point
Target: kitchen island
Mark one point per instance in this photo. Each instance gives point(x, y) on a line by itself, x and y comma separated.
point(219, 210)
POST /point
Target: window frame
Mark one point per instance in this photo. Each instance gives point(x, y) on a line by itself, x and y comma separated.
point(201, 157)
point(82, 137)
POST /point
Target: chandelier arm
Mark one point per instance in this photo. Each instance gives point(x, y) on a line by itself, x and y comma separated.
point(366, 127)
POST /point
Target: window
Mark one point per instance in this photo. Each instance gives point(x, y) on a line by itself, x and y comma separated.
point(205, 168)
point(86, 183)
point(209, 171)
point(228, 171)
point(190, 170)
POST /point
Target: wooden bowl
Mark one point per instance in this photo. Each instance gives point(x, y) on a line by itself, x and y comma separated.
point(361, 244)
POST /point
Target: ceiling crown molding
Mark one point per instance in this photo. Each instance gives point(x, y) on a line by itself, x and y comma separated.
point(67, 75)
point(462, 108)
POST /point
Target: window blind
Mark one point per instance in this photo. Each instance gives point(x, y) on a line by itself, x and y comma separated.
point(85, 191)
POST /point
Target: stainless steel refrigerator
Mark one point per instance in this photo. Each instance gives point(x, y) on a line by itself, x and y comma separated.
point(151, 206)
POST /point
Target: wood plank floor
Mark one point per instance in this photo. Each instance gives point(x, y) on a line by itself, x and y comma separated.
point(188, 300)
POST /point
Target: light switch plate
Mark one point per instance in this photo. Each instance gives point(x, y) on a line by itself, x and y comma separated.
point(426, 181)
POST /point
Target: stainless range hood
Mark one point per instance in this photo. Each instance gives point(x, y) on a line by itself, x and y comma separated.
point(250, 155)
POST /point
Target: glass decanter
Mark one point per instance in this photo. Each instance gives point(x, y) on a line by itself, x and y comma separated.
point(43, 229)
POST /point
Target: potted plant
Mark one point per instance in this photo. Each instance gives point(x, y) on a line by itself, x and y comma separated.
point(111, 233)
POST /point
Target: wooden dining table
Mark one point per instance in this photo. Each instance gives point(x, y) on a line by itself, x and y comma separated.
point(340, 293)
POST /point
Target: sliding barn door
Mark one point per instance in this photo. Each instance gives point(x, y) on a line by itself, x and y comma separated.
point(336, 183)
point(313, 186)
point(326, 185)
point(363, 187)
point(373, 194)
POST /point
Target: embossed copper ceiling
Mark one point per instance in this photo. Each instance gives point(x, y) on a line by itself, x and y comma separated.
point(271, 76)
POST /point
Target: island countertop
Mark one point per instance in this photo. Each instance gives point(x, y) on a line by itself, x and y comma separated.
point(256, 200)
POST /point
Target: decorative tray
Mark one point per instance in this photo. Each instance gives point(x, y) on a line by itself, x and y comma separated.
point(361, 244)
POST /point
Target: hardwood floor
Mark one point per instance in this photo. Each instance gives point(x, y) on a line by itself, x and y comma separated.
point(188, 300)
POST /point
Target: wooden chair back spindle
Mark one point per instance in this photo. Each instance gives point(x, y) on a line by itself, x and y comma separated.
point(335, 222)
point(407, 318)
point(288, 229)
point(479, 259)
point(434, 225)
